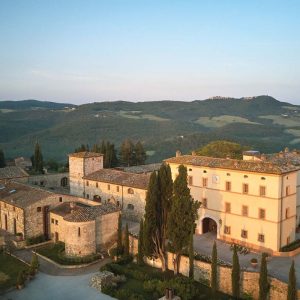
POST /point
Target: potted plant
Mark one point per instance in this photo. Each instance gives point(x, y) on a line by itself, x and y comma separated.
point(21, 280)
point(19, 236)
point(254, 262)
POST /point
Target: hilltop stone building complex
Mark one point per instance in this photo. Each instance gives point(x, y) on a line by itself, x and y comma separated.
point(254, 201)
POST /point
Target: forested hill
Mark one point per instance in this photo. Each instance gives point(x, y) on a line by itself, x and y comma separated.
point(261, 122)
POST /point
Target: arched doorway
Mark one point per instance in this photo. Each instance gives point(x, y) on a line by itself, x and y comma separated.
point(64, 182)
point(209, 225)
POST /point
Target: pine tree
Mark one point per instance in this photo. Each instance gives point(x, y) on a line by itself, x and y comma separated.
point(191, 255)
point(2, 159)
point(38, 164)
point(140, 256)
point(292, 290)
point(182, 216)
point(235, 274)
point(140, 154)
point(214, 270)
point(263, 278)
point(126, 241)
point(157, 209)
point(119, 240)
point(127, 153)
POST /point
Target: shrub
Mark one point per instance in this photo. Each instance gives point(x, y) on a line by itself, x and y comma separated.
point(290, 247)
point(35, 240)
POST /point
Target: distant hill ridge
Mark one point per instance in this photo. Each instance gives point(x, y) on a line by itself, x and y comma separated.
point(261, 122)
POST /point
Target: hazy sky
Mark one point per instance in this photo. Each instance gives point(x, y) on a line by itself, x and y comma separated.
point(83, 51)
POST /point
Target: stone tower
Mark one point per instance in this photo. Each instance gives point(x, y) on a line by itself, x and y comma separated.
point(82, 164)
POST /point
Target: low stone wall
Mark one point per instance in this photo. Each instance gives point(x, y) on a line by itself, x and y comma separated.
point(202, 273)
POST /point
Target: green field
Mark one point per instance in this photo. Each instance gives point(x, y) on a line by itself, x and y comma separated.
point(221, 121)
point(284, 121)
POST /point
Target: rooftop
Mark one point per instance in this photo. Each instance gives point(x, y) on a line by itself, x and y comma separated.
point(83, 213)
point(272, 164)
point(135, 180)
point(143, 168)
point(85, 154)
point(12, 172)
point(21, 195)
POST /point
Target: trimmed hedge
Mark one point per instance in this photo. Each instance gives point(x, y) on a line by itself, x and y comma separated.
point(290, 247)
point(35, 240)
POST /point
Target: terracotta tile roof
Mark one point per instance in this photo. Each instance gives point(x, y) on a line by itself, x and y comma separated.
point(143, 168)
point(269, 167)
point(139, 181)
point(85, 154)
point(21, 195)
point(83, 213)
point(12, 172)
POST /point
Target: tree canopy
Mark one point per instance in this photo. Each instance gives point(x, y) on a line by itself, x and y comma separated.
point(37, 159)
point(2, 159)
point(222, 149)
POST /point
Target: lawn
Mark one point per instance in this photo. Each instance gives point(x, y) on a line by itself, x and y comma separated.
point(10, 267)
point(147, 283)
point(56, 253)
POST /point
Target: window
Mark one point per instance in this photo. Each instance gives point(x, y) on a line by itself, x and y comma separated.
point(130, 191)
point(287, 190)
point(97, 184)
point(287, 213)
point(228, 186)
point(245, 176)
point(79, 231)
point(228, 174)
point(227, 207)
point(204, 182)
point(262, 191)
point(108, 187)
point(130, 206)
point(39, 209)
point(190, 180)
point(56, 222)
point(263, 178)
point(261, 238)
point(52, 221)
point(245, 210)
point(245, 188)
point(227, 229)
point(60, 199)
point(204, 203)
point(14, 208)
point(262, 213)
point(118, 188)
point(244, 234)
point(87, 183)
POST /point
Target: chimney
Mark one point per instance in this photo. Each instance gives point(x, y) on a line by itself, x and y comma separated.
point(280, 154)
point(227, 156)
point(286, 150)
point(194, 153)
point(178, 153)
point(295, 152)
point(263, 157)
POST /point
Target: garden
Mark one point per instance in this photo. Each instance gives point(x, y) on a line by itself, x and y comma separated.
point(56, 252)
point(143, 282)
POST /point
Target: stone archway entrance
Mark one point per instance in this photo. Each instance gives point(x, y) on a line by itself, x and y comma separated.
point(209, 225)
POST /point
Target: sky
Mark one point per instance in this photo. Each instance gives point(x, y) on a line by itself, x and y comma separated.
point(139, 50)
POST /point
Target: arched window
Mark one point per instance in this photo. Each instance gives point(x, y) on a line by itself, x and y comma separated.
point(130, 206)
point(130, 191)
point(64, 182)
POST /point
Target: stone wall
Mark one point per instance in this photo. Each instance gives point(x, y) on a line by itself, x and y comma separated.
point(49, 180)
point(106, 230)
point(80, 238)
point(202, 273)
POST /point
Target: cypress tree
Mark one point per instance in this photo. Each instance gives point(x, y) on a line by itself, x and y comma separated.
point(38, 164)
point(140, 256)
point(191, 255)
point(235, 274)
point(126, 241)
point(2, 159)
point(292, 291)
point(158, 201)
point(263, 278)
point(128, 153)
point(182, 216)
point(119, 240)
point(214, 270)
